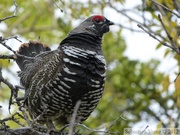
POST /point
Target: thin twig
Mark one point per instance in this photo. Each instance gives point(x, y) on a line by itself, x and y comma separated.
point(165, 8)
point(153, 36)
point(129, 28)
point(26, 116)
point(177, 77)
point(114, 122)
point(97, 130)
point(9, 48)
point(3, 42)
point(17, 121)
point(14, 14)
point(169, 36)
point(176, 5)
point(123, 12)
point(107, 131)
point(57, 5)
point(12, 88)
point(12, 37)
point(73, 119)
point(7, 57)
point(144, 130)
point(143, 12)
point(107, 128)
point(16, 7)
point(13, 119)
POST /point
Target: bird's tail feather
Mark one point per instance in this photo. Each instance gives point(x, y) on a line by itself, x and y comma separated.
point(30, 49)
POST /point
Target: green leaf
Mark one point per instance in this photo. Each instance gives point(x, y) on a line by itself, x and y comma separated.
point(158, 129)
point(158, 46)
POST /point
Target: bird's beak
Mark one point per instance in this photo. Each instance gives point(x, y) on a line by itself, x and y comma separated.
point(110, 23)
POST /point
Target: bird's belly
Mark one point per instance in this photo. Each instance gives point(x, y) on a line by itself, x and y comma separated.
point(79, 79)
point(85, 84)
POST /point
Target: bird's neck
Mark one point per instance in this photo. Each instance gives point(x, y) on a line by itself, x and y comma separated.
point(84, 41)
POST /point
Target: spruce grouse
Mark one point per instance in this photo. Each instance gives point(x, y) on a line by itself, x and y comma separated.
point(54, 80)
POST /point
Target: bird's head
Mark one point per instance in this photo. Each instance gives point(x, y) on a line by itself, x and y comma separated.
point(96, 25)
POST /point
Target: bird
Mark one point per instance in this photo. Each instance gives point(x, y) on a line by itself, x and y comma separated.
point(55, 80)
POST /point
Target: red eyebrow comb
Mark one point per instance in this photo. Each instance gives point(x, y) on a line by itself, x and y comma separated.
point(99, 17)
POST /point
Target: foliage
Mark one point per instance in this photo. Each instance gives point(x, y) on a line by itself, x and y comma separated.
point(133, 88)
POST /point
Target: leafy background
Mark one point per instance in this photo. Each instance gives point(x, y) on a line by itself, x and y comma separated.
point(136, 90)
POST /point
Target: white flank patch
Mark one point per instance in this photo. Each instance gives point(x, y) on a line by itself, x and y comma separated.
point(101, 58)
point(97, 82)
point(91, 52)
point(71, 62)
point(74, 63)
point(69, 80)
point(68, 71)
point(104, 75)
point(95, 86)
point(65, 85)
point(66, 60)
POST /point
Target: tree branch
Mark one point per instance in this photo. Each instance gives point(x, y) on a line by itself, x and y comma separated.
point(3, 42)
point(13, 89)
point(12, 16)
point(169, 36)
point(21, 131)
point(155, 2)
point(73, 119)
point(154, 36)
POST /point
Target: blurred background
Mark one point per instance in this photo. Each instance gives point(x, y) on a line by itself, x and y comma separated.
point(140, 83)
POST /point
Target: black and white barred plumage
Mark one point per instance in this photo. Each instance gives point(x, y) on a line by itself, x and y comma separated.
point(56, 80)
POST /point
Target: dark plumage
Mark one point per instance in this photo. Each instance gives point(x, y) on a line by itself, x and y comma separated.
point(55, 80)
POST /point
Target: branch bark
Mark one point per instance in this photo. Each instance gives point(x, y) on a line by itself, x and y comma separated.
point(21, 131)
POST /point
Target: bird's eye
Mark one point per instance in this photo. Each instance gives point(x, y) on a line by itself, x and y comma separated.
point(97, 21)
